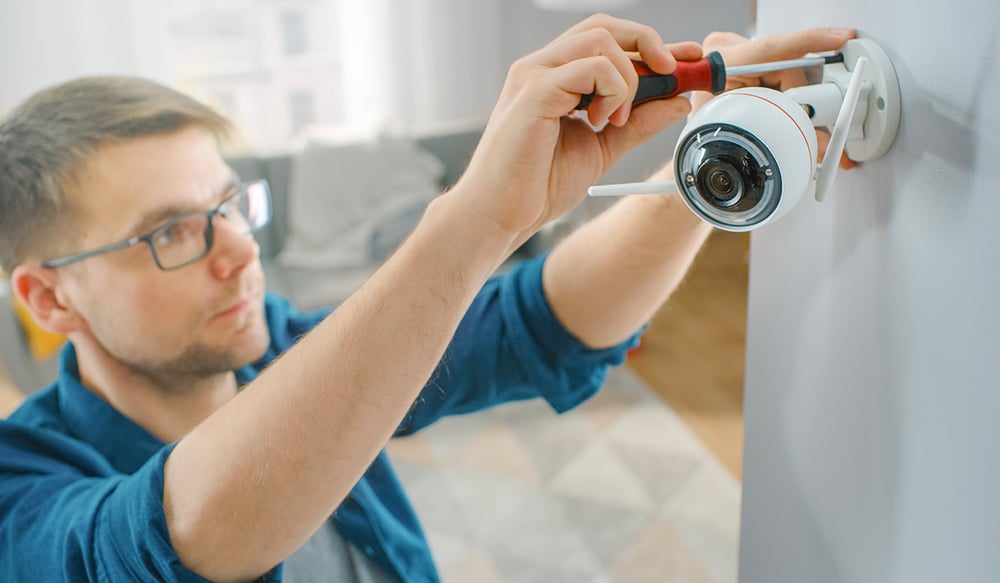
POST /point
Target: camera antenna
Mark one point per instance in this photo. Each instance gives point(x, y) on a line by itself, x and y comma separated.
point(650, 187)
point(838, 138)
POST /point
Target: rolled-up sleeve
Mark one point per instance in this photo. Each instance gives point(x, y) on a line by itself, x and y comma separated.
point(66, 516)
point(510, 346)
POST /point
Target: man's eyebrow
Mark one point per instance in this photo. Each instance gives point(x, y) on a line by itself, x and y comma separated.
point(156, 216)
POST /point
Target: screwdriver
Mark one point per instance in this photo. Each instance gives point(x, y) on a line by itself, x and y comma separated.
point(706, 74)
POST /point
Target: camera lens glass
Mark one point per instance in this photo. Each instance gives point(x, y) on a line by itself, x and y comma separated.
point(727, 175)
point(722, 181)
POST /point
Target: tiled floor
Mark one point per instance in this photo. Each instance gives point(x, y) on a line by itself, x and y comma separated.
point(616, 491)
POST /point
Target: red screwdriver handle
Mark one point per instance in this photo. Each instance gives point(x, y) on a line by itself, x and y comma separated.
point(707, 74)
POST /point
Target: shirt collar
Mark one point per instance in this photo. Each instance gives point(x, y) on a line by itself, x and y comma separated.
point(123, 442)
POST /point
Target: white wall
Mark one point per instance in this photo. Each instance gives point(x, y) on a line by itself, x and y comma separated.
point(872, 388)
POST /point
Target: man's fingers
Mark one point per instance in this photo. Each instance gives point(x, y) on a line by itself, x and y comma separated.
point(597, 75)
point(618, 41)
point(685, 51)
point(588, 43)
point(721, 39)
point(611, 45)
point(782, 80)
point(630, 36)
point(644, 123)
point(737, 50)
point(583, 47)
point(781, 47)
point(823, 141)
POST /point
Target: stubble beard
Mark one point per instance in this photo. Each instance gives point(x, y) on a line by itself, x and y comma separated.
point(197, 363)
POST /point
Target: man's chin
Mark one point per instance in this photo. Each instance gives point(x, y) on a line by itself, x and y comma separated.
point(252, 341)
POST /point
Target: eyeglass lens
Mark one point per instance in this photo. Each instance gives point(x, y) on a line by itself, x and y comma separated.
point(188, 238)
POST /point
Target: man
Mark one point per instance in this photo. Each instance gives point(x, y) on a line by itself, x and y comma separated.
point(176, 445)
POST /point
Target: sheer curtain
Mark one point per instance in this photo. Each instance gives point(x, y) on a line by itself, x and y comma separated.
point(423, 65)
point(276, 66)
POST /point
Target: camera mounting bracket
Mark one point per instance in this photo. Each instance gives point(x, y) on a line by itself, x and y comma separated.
point(876, 117)
point(864, 92)
point(881, 121)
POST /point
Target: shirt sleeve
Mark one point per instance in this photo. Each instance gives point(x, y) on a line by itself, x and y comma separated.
point(60, 518)
point(510, 346)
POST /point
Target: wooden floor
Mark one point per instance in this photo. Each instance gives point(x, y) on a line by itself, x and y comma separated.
point(693, 353)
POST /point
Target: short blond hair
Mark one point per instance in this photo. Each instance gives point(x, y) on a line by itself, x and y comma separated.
point(50, 136)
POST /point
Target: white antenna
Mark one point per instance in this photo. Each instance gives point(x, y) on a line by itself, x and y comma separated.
point(652, 187)
point(838, 138)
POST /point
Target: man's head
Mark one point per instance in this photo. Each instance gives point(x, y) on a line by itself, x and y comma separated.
point(46, 142)
point(98, 161)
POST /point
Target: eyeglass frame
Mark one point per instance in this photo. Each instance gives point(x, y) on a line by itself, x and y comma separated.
point(148, 236)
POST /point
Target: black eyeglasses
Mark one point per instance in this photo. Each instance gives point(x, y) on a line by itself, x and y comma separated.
point(188, 238)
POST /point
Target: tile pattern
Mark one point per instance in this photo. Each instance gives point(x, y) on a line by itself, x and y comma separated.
point(616, 491)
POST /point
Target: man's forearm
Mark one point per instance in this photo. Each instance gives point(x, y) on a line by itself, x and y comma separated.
point(252, 482)
point(610, 276)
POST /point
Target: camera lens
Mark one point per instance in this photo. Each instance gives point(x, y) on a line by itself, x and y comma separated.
point(720, 180)
point(720, 184)
point(727, 176)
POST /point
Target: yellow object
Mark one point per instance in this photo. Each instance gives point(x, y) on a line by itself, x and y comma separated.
point(43, 343)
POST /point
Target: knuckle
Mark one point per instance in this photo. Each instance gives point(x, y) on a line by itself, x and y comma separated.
point(770, 44)
point(602, 36)
point(646, 31)
point(721, 38)
point(601, 42)
point(519, 68)
point(600, 19)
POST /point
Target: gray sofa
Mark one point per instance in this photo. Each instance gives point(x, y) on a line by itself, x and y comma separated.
point(307, 288)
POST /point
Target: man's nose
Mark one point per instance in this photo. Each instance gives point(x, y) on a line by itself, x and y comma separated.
point(233, 247)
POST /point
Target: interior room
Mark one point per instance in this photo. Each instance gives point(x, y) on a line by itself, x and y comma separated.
point(812, 403)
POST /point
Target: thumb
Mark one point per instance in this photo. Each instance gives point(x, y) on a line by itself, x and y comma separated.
point(643, 123)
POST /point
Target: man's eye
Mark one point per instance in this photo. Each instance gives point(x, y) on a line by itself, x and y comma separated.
point(165, 237)
point(172, 234)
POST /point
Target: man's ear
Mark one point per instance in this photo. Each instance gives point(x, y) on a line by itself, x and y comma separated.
point(39, 289)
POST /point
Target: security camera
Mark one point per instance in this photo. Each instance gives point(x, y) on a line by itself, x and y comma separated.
point(745, 158)
point(749, 155)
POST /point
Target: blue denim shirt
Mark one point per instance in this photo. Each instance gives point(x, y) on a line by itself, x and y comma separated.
point(81, 485)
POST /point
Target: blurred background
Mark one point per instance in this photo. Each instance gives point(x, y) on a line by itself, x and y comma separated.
point(279, 66)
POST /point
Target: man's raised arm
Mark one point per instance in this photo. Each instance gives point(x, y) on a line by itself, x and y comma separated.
point(259, 476)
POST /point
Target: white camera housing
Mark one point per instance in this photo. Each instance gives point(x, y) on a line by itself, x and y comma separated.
point(749, 155)
point(745, 158)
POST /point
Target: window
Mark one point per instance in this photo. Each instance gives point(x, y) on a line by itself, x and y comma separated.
point(301, 111)
point(262, 63)
point(293, 32)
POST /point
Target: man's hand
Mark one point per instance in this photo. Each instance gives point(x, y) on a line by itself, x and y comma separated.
point(535, 162)
point(738, 50)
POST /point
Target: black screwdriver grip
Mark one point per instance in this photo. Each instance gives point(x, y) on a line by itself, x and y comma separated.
point(707, 74)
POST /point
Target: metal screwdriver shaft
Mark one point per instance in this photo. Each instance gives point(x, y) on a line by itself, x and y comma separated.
point(707, 74)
